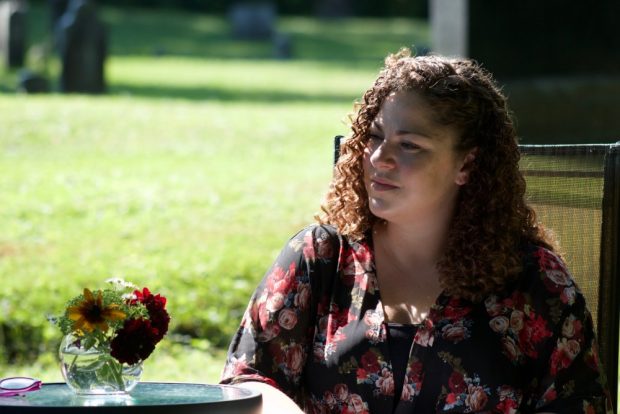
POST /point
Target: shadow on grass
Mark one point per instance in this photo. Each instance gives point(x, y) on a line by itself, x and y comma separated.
point(227, 95)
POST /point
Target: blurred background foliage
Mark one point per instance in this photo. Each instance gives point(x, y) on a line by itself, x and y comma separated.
point(187, 176)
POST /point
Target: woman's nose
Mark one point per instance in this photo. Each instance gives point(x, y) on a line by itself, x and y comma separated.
point(383, 156)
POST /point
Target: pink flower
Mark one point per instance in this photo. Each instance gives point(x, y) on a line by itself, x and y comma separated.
point(263, 316)
point(385, 383)
point(563, 354)
point(499, 324)
point(510, 348)
point(329, 398)
point(476, 398)
point(295, 359)
point(559, 277)
point(516, 320)
point(302, 298)
point(550, 394)
point(356, 405)
point(268, 333)
point(373, 318)
point(424, 336)
point(568, 295)
point(507, 406)
point(493, 307)
point(275, 302)
point(407, 392)
point(287, 319)
point(548, 260)
point(454, 333)
point(308, 249)
point(341, 391)
point(454, 311)
point(571, 326)
point(277, 274)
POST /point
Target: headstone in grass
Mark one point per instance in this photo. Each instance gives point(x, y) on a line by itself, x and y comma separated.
point(81, 41)
point(253, 20)
point(12, 32)
point(282, 48)
point(31, 82)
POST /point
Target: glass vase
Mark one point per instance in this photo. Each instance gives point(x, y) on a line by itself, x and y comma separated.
point(94, 371)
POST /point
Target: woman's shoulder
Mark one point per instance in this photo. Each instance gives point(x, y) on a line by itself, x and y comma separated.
point(316, 241)
point(542, 265)
point(545, 280)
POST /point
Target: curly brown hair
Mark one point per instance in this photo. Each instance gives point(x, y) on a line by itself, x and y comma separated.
point(492, 220)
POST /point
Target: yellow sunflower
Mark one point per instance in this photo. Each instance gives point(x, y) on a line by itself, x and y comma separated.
point(90, 314)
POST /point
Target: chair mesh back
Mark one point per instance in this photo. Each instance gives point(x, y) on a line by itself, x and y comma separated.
point(574, 190)
point(565, 187)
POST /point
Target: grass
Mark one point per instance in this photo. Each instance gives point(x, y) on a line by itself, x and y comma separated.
point(188, 176)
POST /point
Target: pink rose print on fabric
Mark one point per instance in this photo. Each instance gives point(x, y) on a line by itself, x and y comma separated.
point(425, 336)
point(341, 401)
point(287, 319)
point(455, 333)
point(509, 400)
point(376, 330)
point(385, 383)
point(356, 262)
point(564, 354)
point(477, 398)
point(413, 380)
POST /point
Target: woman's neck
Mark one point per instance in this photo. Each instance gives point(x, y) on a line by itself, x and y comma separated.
point(416, 245)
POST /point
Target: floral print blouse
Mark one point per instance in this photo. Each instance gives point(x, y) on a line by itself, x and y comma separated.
point(316, 330)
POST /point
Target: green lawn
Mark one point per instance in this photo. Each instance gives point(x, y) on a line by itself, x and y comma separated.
point(187, 177)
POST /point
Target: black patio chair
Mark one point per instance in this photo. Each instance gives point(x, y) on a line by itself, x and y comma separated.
point(575, 191)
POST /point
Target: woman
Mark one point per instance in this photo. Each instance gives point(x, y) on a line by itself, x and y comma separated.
point(427, 286)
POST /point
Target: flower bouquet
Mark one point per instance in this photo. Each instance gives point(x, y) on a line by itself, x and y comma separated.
point(108, 334)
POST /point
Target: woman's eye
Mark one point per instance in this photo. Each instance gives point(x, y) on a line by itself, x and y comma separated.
point(409, 146)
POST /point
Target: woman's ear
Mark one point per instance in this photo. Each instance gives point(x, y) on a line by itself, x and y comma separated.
point(462, 177)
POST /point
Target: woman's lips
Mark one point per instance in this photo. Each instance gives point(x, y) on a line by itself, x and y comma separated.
point(381, 185)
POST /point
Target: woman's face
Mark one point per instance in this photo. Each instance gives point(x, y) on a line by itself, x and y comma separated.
point(411, 169)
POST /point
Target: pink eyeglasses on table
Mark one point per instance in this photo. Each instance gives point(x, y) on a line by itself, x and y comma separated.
point(10, 387)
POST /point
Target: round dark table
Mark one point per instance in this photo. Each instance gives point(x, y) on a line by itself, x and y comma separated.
point(147, 398)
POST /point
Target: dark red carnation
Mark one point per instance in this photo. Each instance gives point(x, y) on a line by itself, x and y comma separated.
point(156, 307)
point(146, 297)
point(134, 342)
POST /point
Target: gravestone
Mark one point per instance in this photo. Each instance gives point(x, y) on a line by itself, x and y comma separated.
point(282, 47)
point(81, 42)
point(31, 82)
point(559, 61)
point(12, 33)
point(253, 20)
